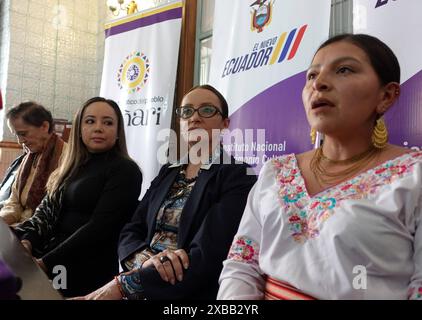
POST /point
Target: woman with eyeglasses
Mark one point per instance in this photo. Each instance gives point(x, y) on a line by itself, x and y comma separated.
point(182, 230)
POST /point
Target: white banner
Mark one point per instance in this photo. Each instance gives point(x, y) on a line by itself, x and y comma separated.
point(261, 50)
point(399, 24)
point(396, 22)
point(140, 65)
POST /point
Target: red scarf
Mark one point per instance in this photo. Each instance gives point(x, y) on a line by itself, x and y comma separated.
point(48, 162)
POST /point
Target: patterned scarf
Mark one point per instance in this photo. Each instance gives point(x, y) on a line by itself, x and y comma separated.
point(48, 162)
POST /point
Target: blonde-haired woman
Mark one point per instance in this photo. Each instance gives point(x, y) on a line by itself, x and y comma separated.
point(90, 197)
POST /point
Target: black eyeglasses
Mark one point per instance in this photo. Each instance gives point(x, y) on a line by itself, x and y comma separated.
point(204, 111)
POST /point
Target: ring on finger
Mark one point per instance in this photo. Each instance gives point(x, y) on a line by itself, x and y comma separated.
point(164, 259)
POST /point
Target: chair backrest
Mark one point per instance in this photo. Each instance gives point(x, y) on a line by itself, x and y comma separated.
point(9, 178)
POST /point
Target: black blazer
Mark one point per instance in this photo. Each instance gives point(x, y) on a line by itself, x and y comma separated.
point(209, 221)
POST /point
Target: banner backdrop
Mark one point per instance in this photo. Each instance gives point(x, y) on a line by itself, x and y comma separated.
point(140, 65)
point(261, 50)
point(399, 24)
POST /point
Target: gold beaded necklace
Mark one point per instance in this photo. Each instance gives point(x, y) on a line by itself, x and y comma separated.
point(326, 177)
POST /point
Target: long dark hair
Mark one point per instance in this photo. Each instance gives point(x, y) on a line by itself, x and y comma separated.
point(76, 152)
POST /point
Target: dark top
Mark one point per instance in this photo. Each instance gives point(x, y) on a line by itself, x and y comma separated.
point(208, 223)
point(83, 237)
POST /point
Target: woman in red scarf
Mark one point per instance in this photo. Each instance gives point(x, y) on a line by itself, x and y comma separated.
point(33, 126)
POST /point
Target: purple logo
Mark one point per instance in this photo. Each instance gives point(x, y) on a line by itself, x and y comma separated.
point(134, 72)
point(381, 3)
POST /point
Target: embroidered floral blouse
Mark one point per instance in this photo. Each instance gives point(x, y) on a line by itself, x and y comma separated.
point(361, 239)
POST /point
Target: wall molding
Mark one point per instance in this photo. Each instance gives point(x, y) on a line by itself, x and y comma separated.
point(10, 145)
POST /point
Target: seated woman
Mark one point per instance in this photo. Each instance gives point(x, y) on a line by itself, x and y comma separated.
point(33, 126)
point(181, 232)
point(90, 197)
point(342, 221)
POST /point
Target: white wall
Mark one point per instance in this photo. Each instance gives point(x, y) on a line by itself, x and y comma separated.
point(53, 53)
point(4, 50)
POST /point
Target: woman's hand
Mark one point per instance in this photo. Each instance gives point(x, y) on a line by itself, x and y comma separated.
point(9, 219)
point(27, 245)
point(41, 265)
point(110, 291)
point(169, 264)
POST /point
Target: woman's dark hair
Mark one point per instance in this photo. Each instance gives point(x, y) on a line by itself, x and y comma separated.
point(31, 113)
point(382, 58)
point(120, 145)
point(77, 153)
point(223, 101)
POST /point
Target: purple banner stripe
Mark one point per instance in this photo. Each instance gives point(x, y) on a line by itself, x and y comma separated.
point(143, 22)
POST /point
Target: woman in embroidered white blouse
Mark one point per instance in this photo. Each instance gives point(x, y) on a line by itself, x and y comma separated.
point(342, 221)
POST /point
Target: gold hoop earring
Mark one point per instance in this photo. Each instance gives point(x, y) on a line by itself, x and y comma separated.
point(380, 134)
point(313, 135)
